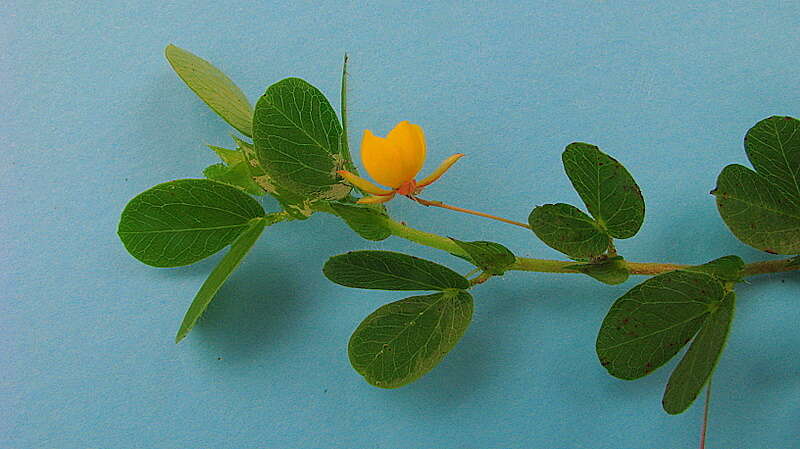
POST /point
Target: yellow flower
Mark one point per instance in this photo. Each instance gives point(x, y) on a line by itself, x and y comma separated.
point(394, 161)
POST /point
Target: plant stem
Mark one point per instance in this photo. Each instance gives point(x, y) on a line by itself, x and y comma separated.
point(468, 211)
point(423, 238)
point(651, 268)
point(543, 265)
point(770, 266)
point(561, 266)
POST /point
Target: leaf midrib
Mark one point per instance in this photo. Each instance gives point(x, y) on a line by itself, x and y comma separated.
point(161, 231)
point(783, 153)
point(303, 130)
point(608, 348)
point(760, 206)
point(443, 296)
point(384, 273)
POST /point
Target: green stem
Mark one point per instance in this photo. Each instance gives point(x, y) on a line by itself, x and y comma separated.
point(555, 266)
point(543, 265)
point(424, 238)
point(770, 266)
point(560, 266)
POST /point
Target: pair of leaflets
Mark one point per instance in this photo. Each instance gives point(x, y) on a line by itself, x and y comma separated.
point(650, 324)
point(184, 221)
point(401, 341)
point(614, 201)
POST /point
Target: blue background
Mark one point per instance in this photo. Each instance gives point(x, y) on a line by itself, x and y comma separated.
point(93, 115)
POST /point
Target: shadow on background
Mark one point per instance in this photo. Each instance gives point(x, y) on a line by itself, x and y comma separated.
point(252, 312)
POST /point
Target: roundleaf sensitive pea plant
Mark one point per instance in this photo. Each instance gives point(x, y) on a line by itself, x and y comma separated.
point(295, 147)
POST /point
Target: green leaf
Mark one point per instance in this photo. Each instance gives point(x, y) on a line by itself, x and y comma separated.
point(180, 222)
point(237, 175)
point(490, 257)
point(295, 205)
point(348, 160)
point(758, 212)
point(229, 157)
point(215, 170)
point(297, 139)
point(762, 208)
point(400, 342)
point(773, 147)
point(567, 229)
point(367, 221)
point(793, 262)
point(728, 268)
point(387, 270)
point(697, 365)
point(213, 87)
point(611, 271)
point(650, 323)
point(605, 186)
point(241, 246)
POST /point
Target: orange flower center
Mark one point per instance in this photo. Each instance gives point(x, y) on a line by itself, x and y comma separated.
point(407, 188)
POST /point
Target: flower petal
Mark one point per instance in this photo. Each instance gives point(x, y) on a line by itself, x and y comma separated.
point(411, 141)
point(362, 183)
point(375, 199)
point(381, 160)
point(443, 167)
